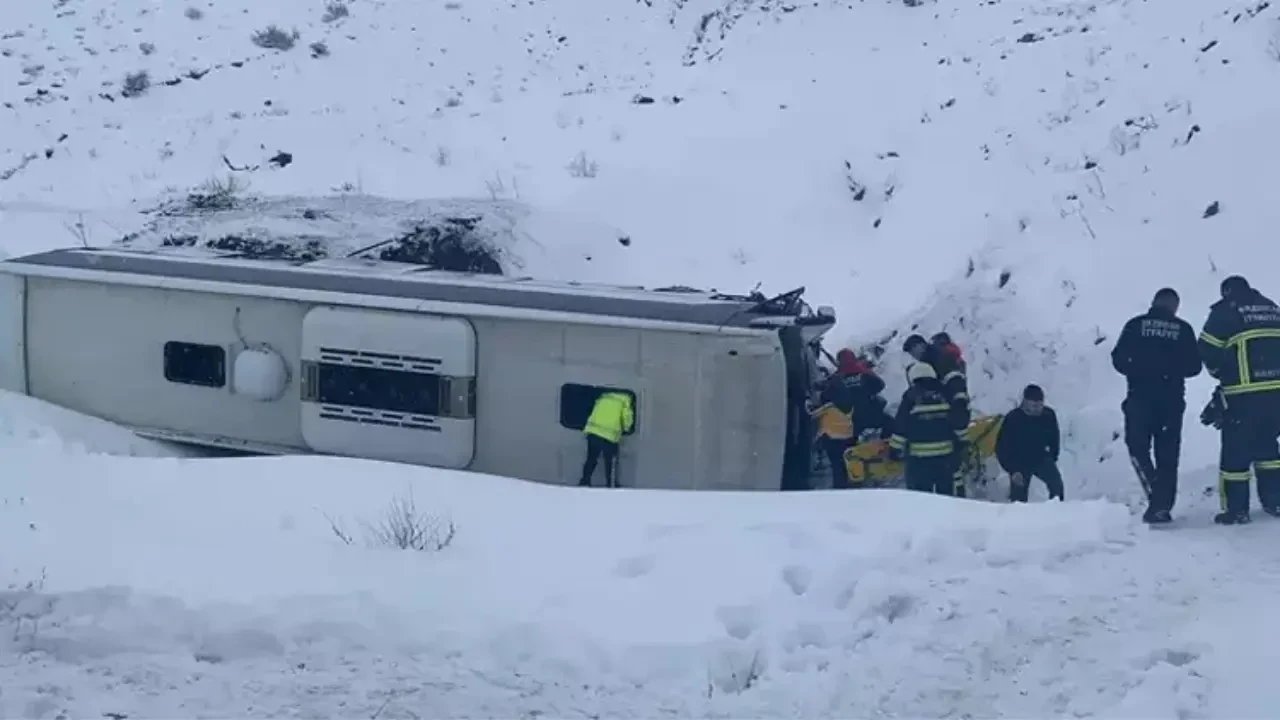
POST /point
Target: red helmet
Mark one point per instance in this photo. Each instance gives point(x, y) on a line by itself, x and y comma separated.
point(848, 363)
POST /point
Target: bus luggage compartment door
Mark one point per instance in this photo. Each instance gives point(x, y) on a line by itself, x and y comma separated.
point(389, 386)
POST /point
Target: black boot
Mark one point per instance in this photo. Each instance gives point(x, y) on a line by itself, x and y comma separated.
point(1232, 518)
point(1157, 517)
point(1272, 510)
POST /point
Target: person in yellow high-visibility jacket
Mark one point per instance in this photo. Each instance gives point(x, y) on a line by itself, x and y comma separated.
point(612, 416)
point(835, 435)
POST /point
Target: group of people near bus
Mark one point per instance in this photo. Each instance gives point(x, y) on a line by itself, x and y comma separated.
point(927, 432)
point(1156, 352)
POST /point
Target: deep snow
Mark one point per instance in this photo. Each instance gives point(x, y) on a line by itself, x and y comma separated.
point(214, 588)
point(1022, 174)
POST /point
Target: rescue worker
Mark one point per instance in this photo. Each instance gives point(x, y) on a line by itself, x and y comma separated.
point(1156, 353)
point(945, 358)
point(856, 388)
point(853, 371)
point(612, 416)
point(949, 352)
point(955, 385)
point(835, 435)
point(948, 349)
point(1028, 446)
point(925, 433)
point(1240, 347)
point(846, 403)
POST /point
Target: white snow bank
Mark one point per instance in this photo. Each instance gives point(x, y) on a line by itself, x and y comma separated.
point(219, 588)
point(26, 423)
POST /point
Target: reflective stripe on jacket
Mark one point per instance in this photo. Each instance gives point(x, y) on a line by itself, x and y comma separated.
point(611, 417)
point(1240, 344)
point(833, 423)
point(927, 425)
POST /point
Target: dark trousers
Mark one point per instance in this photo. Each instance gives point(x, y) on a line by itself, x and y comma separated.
point(1155, 423)
point(931, 474)
point(597, 447)
point(1249, 429)
point(834, 448)
point(966, 464)
point(1047, 472)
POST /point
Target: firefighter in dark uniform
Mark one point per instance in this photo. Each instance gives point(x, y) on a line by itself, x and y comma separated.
point(950, 371)
point(1156, 353)
point(955, 386)
point(1240, 346)
point(856, 388)
point(925, 433)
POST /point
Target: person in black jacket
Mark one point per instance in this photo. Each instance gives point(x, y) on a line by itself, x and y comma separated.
point(1028, 446)
point(925, 433)
point(955, 386)
point(944, 356)
point(1240, 346)
point(847, 406)
point(855, 388)
point(1156, 353)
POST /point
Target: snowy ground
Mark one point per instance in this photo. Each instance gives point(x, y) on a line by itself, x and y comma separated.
point(166, 587)
point(1023, 174)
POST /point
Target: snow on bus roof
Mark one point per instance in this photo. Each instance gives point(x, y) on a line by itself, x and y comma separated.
point(380, 278)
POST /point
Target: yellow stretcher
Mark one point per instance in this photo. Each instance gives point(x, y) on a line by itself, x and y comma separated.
point(869, 464)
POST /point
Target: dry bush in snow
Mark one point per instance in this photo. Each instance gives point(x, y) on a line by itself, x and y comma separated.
point(401, 526)
point(735, 671)
point(23, 604)
point(217, 194)
point(273, 38)
point(583, 167)
point(136, 84)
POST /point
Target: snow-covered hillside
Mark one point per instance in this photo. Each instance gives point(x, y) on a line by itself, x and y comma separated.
point(1022, 174)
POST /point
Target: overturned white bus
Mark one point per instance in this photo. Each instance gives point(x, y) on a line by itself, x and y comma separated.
point(400, 362)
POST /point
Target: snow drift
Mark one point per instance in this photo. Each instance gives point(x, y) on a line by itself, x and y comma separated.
point(227, 573)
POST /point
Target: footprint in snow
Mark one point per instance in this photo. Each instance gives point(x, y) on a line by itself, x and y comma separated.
point(739, 621)
point(1169, 656)
point(895, 606)
point(798, 578)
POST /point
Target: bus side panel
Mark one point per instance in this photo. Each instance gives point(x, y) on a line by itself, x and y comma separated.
point(744, 430)
point(13, 333)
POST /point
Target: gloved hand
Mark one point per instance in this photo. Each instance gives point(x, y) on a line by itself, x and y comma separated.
point(896, 454)
point(1213, 411)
